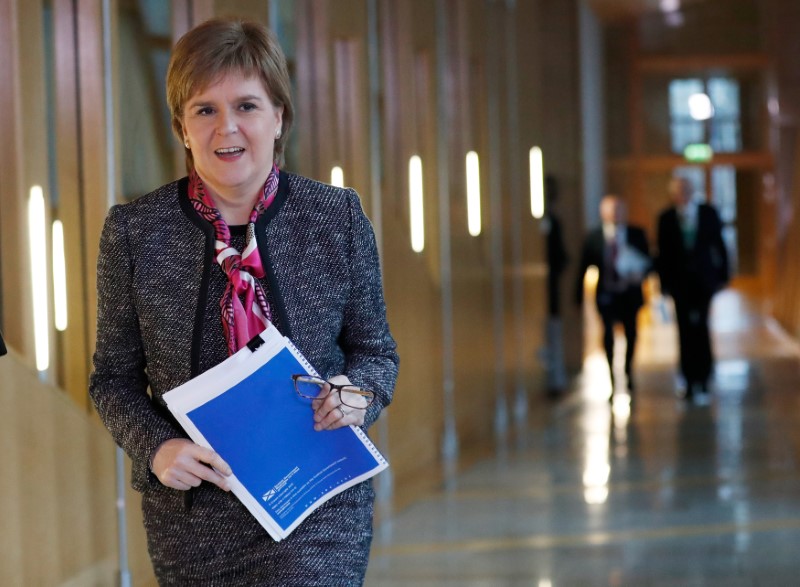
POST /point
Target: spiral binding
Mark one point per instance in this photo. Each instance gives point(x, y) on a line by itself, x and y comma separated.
point(299, 356)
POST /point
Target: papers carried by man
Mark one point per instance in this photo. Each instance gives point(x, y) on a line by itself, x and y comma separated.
point(631, 263)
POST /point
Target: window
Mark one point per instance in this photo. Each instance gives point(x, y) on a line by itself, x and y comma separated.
point(722, 130)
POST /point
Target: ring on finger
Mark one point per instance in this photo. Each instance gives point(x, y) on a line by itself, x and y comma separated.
point(341, 410)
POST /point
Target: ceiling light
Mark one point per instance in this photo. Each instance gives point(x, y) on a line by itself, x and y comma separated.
point(669, 5)
point(700, 107)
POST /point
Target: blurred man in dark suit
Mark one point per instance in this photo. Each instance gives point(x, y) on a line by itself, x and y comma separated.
point(693, 266)
point(557, 260)
point(620, 253)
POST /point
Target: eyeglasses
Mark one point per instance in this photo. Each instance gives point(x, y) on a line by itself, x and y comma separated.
point(352, 396)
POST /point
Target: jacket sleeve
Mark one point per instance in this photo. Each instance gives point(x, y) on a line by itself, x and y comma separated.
point(586, 261)
point(719, 252)
point(370, 351)
point(644, 248)
point(664, 258)
point(118, 384)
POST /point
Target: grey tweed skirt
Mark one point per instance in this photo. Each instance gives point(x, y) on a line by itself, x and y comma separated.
point(218, 543)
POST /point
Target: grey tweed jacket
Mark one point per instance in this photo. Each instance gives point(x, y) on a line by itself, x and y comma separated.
point(159, 325)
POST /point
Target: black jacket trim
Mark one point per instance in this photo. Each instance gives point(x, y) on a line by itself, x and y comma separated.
point(208, 260)
point(266, 259)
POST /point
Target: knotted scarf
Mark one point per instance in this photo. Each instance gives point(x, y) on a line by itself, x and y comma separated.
point(244, 307)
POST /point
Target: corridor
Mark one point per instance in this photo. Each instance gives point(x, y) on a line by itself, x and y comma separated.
point(656, 493)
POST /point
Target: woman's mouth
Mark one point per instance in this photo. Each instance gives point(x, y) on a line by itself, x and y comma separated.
point(229, 152)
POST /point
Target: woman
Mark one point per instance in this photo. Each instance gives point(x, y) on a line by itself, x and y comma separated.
point(190, 272)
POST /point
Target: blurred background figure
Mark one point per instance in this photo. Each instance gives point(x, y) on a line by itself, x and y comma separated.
point(620, 253)
point(557, 260)
point(693, 266)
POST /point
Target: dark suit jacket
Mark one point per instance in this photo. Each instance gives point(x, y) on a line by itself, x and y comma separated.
point(557, 260)
point(594, 254)
point(705, 266)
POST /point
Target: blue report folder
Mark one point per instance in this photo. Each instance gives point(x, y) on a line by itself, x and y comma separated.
point(247, 411)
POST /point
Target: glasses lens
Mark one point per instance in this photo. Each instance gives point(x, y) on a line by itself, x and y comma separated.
point(356, 397)
point(309, 387)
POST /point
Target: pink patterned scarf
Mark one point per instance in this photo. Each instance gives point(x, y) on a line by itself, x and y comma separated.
point(244, 306)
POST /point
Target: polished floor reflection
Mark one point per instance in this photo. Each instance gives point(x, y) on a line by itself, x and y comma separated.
point(654, 493)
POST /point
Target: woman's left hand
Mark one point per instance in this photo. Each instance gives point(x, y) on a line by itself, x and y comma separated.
point(330, 413)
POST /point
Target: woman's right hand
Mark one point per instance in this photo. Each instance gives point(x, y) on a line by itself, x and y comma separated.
point(181, 464)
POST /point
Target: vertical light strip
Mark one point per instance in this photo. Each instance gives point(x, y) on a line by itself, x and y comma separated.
point(473, 193)
point(337, 177)
point(415, 202)
point(537, 182)
point(38, 240)
point(59, 276)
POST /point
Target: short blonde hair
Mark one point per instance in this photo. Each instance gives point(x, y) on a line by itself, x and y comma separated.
point(221, 46)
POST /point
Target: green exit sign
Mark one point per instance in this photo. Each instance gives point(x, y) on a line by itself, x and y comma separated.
point(698, 153)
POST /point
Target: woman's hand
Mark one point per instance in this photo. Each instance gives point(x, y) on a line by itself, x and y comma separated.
point(181, 464)
point(330, 413)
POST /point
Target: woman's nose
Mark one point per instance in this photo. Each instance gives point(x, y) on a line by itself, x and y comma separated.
point(227, 123)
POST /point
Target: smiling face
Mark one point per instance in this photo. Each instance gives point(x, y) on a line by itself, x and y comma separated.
point(231, 127)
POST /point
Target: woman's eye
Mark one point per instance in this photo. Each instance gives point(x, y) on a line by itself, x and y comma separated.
point(247, 106)
point(205, 111)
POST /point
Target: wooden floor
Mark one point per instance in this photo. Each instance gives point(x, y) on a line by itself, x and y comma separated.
point(660, 492)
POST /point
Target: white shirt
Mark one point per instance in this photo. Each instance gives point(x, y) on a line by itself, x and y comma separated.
point(687, 215)
point(616, 232)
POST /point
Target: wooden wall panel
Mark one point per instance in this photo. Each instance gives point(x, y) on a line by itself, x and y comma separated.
point(768, 249)
point(73, 349)
point(389, 51)
point(558, 134)
point(473, 321)
point(782, 44)
point(352, 146)
point(12, 571)
point(252, 9)
point(786, 308)
point(92, 130)
point(189, 13)
point(12, 311)
point(314, 67)
point(58, 487)
point(17, 312)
